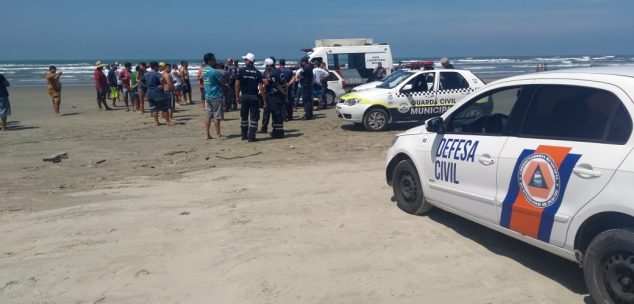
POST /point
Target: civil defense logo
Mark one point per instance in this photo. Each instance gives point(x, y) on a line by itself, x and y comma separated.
point(404, 107)
point(538, 178)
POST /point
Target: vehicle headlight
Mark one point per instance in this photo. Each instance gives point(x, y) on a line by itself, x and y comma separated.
point(351, 101)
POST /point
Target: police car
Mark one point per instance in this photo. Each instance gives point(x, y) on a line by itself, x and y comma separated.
point(545, 158)
point(407, 95)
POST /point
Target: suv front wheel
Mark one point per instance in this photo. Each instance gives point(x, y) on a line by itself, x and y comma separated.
point(408, 190)
point(375, 120)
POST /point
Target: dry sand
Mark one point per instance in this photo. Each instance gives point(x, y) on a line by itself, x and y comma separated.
point(168, 217)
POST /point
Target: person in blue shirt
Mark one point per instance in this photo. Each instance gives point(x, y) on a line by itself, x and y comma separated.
point(157, 98)
point(213, 82)
point(112, 81)
point(288, 76)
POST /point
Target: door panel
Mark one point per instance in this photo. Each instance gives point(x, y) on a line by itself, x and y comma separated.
point(465, 159)
point(569, 146)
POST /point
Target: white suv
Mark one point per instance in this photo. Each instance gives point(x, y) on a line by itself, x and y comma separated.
point(545, 158)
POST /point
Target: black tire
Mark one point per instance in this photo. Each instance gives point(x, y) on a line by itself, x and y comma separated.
point(408, 190)
point(376, 120)
point(331, 98)
point(608, 266)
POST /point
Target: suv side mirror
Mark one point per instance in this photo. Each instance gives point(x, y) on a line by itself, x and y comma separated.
point(406, 88)
point(434, 125)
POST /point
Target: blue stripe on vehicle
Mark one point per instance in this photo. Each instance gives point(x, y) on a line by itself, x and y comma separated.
point(511, 194)
point(548, 216)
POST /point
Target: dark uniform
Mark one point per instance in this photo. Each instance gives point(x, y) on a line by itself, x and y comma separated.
point(275, 102)
point(249, 78)
point(266, 111)
point(230, 98)
point(307, 89)
point(288, 76)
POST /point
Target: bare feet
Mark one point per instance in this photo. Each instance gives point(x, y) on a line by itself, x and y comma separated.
point(170, 123)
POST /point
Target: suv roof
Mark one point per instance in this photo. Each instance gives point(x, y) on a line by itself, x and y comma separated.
point(618, 75)
point(627, 71)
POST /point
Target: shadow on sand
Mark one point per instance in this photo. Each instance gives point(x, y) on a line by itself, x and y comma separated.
point(17, 125)
point(558, 269)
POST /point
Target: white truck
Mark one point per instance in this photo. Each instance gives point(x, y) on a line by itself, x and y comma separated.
point(353, 59)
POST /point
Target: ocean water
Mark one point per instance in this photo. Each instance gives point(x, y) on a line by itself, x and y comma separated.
point(79, 72)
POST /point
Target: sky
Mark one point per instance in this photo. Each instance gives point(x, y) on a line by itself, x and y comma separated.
point(139, 29)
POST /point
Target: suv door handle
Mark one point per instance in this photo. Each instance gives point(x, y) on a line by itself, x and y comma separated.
point(486, 160)
point(586, 171)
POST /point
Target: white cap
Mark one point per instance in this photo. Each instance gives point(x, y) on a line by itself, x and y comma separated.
point(249, 56)
point(268, 61)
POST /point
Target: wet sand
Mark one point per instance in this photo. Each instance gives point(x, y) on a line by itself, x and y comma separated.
point(139, 213)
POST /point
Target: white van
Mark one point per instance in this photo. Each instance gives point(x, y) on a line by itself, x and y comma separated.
point(353, 59)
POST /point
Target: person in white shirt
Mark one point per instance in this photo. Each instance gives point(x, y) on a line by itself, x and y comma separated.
point(178, 84)
point(321, 77)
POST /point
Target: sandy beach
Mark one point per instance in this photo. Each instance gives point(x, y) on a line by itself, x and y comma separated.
point(144, 214)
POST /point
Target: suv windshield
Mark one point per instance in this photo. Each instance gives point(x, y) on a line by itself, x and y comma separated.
point(394, 79)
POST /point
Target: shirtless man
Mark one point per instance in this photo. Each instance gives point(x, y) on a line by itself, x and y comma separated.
point(187, 85)
point(168, 87)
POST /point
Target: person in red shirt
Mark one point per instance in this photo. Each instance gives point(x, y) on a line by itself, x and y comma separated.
point(101, 84)
point(125, 84)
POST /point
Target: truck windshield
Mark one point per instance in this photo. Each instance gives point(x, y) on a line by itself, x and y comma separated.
point(394, 79)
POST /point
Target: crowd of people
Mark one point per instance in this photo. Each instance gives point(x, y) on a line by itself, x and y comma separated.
point(224, 87)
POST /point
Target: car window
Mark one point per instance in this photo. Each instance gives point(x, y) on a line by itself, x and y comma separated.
point(621, 126)
point(486, 114)
point(332, 77)
point(452, 81)
point(430, 80)
point(420, 83)
point(392, 81)
point(575, 113)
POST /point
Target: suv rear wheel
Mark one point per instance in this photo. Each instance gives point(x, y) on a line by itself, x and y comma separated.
point(331, 98)
point(608, 266)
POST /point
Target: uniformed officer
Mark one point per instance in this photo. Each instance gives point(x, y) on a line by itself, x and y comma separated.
point(249, 83)
point(306, 80)
point(276, 91)
point(266, 109)
point(288, 76)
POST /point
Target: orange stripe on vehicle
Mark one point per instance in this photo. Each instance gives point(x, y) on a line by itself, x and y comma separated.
point(526, 218)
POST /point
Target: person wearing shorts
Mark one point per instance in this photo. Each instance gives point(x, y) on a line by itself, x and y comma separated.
point(158, 99)
point(214, 97)
point(112, 82)
point(124, 78)
point(142, 87)
point(176, 80)
point(168, 87)
point(5, 106)
point(187, 86)
point(54, 88)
